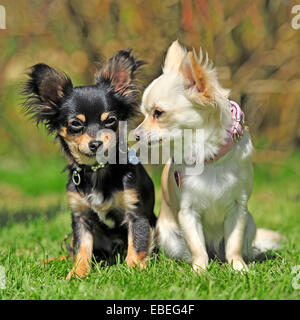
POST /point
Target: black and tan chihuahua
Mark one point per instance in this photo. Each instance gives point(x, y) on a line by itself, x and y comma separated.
point(86, 119)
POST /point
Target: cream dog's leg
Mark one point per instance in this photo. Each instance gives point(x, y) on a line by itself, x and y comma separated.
point(193, 232)
point(235, 226)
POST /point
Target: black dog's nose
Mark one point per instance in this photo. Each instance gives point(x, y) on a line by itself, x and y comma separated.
point(94, 145)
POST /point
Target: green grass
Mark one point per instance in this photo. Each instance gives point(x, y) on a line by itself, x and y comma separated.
point(34, 219)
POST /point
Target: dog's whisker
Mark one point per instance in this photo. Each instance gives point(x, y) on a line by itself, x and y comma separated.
point(201, 56)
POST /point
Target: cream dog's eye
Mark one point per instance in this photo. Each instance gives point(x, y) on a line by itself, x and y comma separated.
point(157, 113)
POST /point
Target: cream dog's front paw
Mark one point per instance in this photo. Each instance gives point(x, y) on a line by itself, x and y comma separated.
point(199, 265)
point(239, 265)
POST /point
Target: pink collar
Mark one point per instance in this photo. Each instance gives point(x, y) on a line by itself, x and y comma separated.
point(235, 131)
point(235, 134)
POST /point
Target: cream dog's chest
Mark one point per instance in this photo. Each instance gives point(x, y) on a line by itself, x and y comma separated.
point(209, 193)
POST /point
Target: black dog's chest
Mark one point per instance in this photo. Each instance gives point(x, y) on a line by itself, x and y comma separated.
point(103, 205)
point(104, 192)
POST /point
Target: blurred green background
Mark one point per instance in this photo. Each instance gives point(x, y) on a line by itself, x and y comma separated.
point(252, 43)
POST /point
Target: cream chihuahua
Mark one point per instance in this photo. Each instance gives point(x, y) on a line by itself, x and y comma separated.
point(203, 215)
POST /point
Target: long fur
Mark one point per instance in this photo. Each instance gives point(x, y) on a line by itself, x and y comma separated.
point(87, 119)
point(44, 92)
point(120, 73)
point(208, 214)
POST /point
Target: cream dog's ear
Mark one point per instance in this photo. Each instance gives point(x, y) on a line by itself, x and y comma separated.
point(200, 80)
point(174, 57)
point(199, 77)
point(194, 73)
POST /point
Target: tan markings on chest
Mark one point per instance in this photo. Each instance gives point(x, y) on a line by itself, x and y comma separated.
point(77, 202)
point(126, 199)
point(121, 200)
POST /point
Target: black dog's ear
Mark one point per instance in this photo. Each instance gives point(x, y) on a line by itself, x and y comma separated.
point(45, 90)
point(119, 72)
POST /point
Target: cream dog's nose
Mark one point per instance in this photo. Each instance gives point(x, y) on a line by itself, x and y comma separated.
point(137, 134)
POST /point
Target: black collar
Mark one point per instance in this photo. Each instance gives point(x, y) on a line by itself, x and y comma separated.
point(76, 172)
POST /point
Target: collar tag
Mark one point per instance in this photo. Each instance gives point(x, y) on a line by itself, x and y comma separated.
point(132, 157)
point(76, 178)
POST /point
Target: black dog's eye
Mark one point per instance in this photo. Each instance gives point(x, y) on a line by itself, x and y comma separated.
point(157, 113)
point(111, 121)
point(75, 125)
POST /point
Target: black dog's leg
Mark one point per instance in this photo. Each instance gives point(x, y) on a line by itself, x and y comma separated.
point(82, 244)
point(140, 240)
